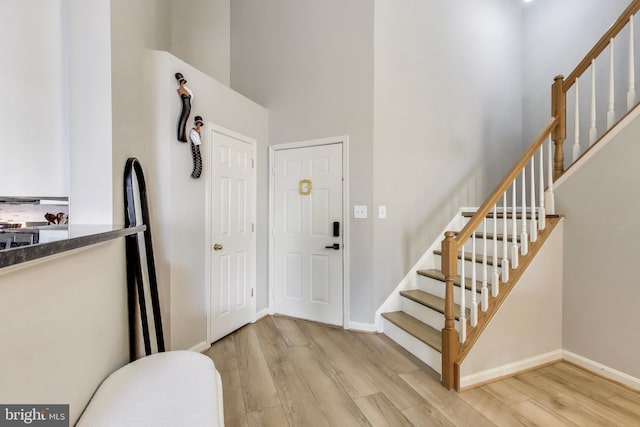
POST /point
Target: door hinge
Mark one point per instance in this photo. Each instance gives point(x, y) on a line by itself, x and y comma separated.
point(251, 292)
point(253, 227)
point(253, 163)
point(273, 170)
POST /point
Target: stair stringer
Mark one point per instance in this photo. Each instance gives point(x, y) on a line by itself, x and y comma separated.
point(426, 261)
point(520, 336)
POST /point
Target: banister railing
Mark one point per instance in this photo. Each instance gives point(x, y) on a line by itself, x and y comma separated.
point(453, 244)
point(497, 193)
point(562, 86)
point(602, 44)
point(515, 213)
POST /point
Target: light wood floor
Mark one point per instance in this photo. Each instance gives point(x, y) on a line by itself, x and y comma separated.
point(284, 372)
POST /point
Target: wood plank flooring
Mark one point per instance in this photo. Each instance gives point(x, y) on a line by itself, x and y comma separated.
point(285, 372)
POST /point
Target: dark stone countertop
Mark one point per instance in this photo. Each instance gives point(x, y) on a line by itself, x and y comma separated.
point(65, 238)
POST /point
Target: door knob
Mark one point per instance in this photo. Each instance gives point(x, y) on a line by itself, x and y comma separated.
point(335, 246)
point(217, 247)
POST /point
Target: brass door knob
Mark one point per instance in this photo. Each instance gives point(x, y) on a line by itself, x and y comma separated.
point(217, 247)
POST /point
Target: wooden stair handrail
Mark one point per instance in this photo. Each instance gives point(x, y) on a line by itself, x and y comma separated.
point(602, 44)
point(497, 193)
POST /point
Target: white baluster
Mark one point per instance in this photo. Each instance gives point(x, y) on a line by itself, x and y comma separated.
point(524, 238)
point(611, 113)
point(474, 290)
point(484, 291)
point(463, 291)
point(576, 140)
point(593, 130)
point(541, 211)
point(495, 277)
point(549, 200)
point(631, 94)
point(514, 230)
point(505, 241)
point(533, 229)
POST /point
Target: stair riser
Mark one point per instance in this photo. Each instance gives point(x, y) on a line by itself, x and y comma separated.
point(501, 230)
point(425, 314)
point(437, 288)
point(468, 266)
point(422, 351)
point(490, 251)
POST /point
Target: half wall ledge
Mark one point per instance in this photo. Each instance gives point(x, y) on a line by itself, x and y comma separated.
point(77, 236)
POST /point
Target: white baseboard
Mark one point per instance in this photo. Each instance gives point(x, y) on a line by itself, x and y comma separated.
point(362, 327)
point(262, 313)
point(602, 370)
point(200, 347)
point(509, 369)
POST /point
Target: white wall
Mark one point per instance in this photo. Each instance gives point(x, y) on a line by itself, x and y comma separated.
point(183, 199)
point(200, 35)
point(526, 330)
point(602, 243)
point(311, 64)
point(31, 110)
point(88, 103)
point(447, 119)
point(64, 326)
point(135, 27)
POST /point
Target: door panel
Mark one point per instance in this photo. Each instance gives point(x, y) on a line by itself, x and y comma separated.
point(308, 275)
point(233, 256)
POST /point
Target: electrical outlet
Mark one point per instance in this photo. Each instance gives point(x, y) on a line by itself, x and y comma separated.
point(382, 212)
point(359, 211)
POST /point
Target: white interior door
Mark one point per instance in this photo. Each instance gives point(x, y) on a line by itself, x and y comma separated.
point(233, 245)
point(308, 267)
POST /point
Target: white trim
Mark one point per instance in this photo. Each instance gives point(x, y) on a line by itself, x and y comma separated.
point(362, 327)
point(602, 370)
point(271, 292)
point(201, 347)
point(510, 369)
point(262, 313)
point(209, 128)
point(344, 141)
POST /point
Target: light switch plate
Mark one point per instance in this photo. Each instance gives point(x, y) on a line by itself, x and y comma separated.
point(382, 212)
point(359, 211)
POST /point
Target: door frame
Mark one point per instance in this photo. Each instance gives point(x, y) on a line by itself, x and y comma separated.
point(210, 155)
point(344, 141)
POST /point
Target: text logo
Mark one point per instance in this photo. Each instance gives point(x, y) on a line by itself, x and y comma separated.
point(34, 415)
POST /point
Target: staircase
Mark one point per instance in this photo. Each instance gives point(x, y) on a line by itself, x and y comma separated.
point(418, 325)
point(434, 316)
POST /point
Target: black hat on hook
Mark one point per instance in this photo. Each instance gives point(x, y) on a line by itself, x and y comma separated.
point(180, 78)
point(198, 119)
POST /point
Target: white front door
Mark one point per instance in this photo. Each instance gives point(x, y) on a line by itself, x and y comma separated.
point(233, 245)
point(308, 246)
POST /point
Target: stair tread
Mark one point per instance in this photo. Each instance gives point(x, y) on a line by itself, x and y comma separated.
point(468, 257)
point(499, 215)
point(438, 275)
point(432, 301)
point(425, 333)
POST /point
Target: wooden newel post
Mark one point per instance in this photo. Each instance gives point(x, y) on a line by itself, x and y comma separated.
point(450, 340)
point(559, 134)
